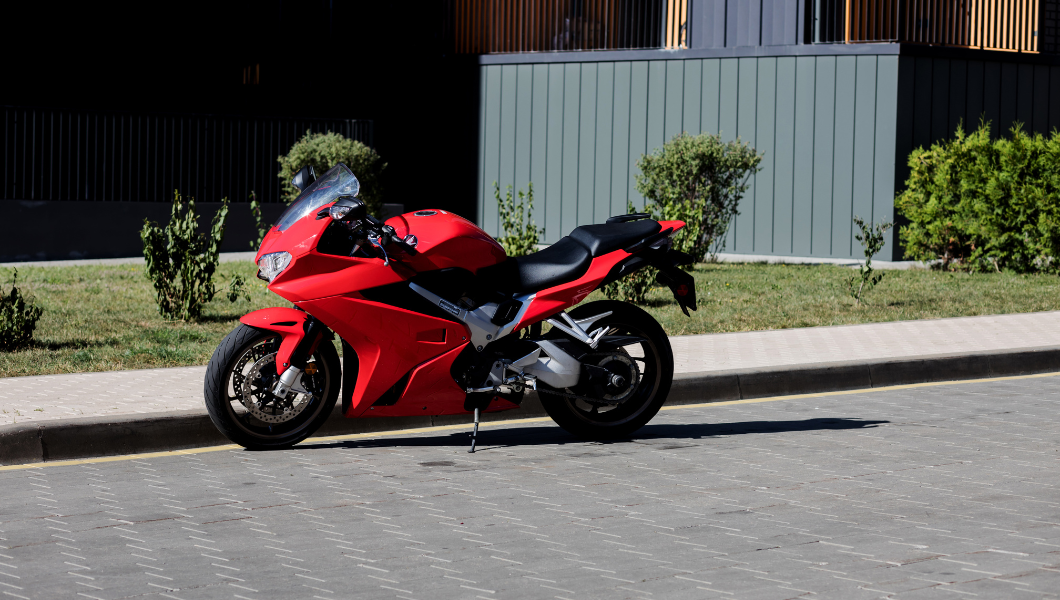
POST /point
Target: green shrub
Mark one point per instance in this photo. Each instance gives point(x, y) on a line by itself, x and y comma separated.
point(181, 262)
point(696, 179)
point(325, 150)
point(699, 180)
point(18, 318)
point(521, 234)
point(978, 204)
point(872, 241)
point(259, 226)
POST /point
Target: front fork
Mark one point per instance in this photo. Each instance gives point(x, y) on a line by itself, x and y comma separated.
point(296, 362)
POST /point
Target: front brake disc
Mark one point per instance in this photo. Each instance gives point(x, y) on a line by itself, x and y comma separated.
point(259, 400)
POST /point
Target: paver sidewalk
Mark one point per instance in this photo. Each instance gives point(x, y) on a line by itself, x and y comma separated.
point(125, 393)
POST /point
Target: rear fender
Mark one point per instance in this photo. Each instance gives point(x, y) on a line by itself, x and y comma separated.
point(290, 324)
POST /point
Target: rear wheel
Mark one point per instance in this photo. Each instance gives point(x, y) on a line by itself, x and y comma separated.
point(637, 382)
point(239, 378)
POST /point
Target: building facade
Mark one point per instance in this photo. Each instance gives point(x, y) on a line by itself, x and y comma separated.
point(834, 94)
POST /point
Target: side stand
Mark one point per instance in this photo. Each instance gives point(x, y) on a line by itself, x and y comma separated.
point(474, 434)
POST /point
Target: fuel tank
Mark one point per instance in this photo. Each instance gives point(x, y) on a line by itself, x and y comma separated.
point(446, 240)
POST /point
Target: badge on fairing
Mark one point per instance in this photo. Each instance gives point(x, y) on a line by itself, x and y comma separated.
point(449, 307)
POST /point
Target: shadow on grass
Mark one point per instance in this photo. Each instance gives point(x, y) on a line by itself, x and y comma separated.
point(662, 436)
point(78, 344)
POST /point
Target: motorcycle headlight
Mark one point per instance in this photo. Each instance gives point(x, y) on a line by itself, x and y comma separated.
point(271, 265)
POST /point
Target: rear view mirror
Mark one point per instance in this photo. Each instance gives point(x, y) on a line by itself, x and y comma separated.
point(305, 176)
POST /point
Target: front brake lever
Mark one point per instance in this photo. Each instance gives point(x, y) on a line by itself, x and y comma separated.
point(378, 243)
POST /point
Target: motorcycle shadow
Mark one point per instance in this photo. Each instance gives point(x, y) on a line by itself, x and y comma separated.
point(662, 434)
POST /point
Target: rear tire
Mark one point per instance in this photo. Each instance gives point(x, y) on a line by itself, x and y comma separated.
point(656, 372)
point(238, 376)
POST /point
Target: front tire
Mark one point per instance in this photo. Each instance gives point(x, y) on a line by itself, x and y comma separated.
point(654, 362)
point(243, 369)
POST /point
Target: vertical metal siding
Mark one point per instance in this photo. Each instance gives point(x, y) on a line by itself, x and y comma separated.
point(836, 132)
point(818, 120)
point(51, 154)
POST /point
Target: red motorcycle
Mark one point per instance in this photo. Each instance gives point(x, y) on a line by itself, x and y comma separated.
point(435, 319)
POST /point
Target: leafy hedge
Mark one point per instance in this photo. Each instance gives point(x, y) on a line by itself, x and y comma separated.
point(323, 151)
point(979, 204)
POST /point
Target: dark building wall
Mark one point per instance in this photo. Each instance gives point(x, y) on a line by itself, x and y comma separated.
point(825, 123)
point(1050, 26)
point(935, 94)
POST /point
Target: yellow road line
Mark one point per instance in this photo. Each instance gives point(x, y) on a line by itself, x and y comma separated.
point(377, 434)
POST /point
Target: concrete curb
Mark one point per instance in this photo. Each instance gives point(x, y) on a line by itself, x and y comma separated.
point(67, 439)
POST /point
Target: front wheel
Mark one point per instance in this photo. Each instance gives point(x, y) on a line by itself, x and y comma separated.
point(602, 409)
point(239, 378)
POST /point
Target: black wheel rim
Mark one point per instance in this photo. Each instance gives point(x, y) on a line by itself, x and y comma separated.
point(240, 374)
point(648, 362)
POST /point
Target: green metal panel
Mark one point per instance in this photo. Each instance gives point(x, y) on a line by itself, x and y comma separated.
point(693, 88)
point(746, 123)
point(728, 91)
point(554, 175)
point(524, 104)
point(710, 95)
point(539, 143)
point(675, 82)
point(864, 141)
point(843, 158)
point(823, 147)
point(887, 82)
point(765, 133)
point(571, 132)
point(506, 176)
point(827, 129)
point(802, 193)
point(784, 156)
point(638, 127)
point(656, 104)
point(492, 131)
point(620, 151)
point(605, 101)
point(587, 144)
point(905, 106)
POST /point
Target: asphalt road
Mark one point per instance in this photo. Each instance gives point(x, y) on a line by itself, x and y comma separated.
point(946, 491)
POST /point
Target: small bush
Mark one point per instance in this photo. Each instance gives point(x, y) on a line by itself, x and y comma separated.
point(181, 262)
point(521, 234)
point(979, 204)
point(18, 318)
point(872, 240)
point(325, 150)
point(696, 179)
point(259, 226)
point(699, 180)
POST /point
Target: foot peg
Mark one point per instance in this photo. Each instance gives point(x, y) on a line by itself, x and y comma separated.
point(474, 434)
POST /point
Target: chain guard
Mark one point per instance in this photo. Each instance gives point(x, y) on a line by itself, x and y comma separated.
point(599, 359)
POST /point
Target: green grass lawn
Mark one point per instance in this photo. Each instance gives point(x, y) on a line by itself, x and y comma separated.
point(101, 318)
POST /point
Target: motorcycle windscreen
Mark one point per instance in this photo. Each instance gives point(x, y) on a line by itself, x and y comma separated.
point(338, 181)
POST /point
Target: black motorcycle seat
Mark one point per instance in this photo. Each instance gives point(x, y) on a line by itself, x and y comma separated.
point(608, 237)
point(564, 261)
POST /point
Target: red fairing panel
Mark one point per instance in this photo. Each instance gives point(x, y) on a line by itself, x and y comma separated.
point(446, 240)
point(389, 342)
point(430, 390)
point(287, 322)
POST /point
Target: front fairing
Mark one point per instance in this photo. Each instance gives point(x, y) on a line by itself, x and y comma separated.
point(313, 275)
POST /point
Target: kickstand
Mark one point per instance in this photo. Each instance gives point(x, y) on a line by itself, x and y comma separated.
point(474, 434)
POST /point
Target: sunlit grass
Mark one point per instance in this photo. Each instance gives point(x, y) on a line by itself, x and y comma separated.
point(100, 318)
